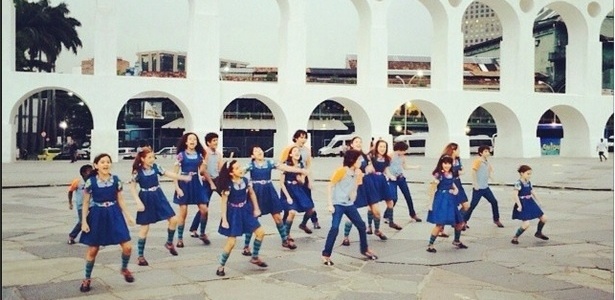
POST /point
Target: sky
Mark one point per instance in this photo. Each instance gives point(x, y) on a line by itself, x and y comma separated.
point(249, 30)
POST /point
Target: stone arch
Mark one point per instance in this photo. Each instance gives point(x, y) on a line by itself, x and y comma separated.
point(510, 137)
point(576, 130)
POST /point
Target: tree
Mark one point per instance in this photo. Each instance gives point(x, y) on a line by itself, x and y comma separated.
point(40, 33)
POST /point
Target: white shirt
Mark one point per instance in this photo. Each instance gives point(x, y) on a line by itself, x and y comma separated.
point(601, 147)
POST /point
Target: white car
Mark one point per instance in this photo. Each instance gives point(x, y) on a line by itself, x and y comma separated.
point(127, 153)
point(167, 151)
point(609, 143)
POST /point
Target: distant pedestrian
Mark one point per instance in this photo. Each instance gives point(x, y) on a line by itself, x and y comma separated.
point(481, 173)
point(602, 147)
point(526, 207)
point(152, 204)
point(104, 223)
point(75, 195)
point(397, 167)
point(342, 194)
point(73, 150)
point(443, 209)
point(237, 216)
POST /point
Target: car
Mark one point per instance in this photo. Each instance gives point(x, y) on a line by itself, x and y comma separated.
point(65, 155)
point(609, 143)
point(49, 153)
point(167, 151)
point(416, 142)
point(127, 152)
point(337, 145)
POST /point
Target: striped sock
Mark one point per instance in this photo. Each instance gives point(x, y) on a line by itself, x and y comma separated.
point(376, 223)
point(289, 225)
point(519, 232)
point(247, 238)
point(347, 228)
point(223, 258)
point(125, 260)
point(457, 235)
point(170, 235)
point(140, 246)
point(256, 248)
point(432, 239)
point(180, 232)
point(370, 218)
point(282, 230)
point(89, 266)
point(540, 226)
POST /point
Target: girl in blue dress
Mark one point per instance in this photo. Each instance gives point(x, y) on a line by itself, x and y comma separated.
point(104, 221)
point(452, 150)
point(443, 209)
point(238, 217)
point(367, 195)
point(293, 195)
point(526, 208)
point(152, 204)
point(260, 170)
point(381, 161)
point(191, 158)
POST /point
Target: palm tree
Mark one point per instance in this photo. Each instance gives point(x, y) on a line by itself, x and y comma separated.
point(41, 31)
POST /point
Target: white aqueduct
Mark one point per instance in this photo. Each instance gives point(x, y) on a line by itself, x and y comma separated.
point(583, 110)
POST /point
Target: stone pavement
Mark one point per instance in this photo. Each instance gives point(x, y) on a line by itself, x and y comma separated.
point(577, 261)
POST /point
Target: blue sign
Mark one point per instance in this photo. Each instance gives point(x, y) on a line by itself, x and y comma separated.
point(549, 146)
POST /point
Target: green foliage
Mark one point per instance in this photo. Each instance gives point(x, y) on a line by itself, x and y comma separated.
point(41, 31)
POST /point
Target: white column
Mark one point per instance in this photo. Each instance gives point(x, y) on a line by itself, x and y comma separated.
point(8, 67)
point(105, 51)
point(292, 44)
point(517, 60)
point(447, 56)
point(372, 56)
point(203, 56)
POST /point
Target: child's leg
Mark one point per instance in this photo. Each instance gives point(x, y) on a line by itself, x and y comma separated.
point(196, 221)
point(524, 226)
point(256, 247)
point(126, 252)
point(432, 238)
point(226, 252)
point(541, 224)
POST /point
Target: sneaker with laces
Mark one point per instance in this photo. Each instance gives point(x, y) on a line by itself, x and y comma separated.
point(127, 275)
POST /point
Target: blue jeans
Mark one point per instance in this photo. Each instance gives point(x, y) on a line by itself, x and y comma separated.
point(403, 186)
point(353, 215)
point(77, 229)
point(476, 195)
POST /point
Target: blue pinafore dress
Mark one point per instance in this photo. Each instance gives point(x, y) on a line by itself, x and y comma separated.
point(381, 181)
point(444, 209)
point(260, 177)
point(529, 208)
point(105, 218)
point(302, 202)
point(367, 194)
point(239, 213)
point(194, 192)
point(157, 207)
point(461, 195)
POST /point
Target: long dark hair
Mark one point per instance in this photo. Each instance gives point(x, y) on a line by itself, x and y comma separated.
point(449, 149)
point(181, 144)
point(444, 159)
point(374, 152)
point(223, 182)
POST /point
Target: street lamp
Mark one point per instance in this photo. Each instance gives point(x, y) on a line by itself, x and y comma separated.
point(419, 73)
point(402, 81)
point(544, 83)
point(63, 125)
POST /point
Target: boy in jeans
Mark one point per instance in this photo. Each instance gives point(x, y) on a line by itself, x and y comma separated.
point(481, 172)
point(75, 192)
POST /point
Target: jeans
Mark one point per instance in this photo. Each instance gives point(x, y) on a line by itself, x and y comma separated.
point(403, 186)
point(476, 195)
point(77, 229)
point(353, 215)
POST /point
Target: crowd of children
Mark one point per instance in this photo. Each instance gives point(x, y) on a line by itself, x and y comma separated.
point(364, 179)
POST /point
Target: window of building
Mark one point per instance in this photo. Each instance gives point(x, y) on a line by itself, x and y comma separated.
point(166, 62)
point(181, 63)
